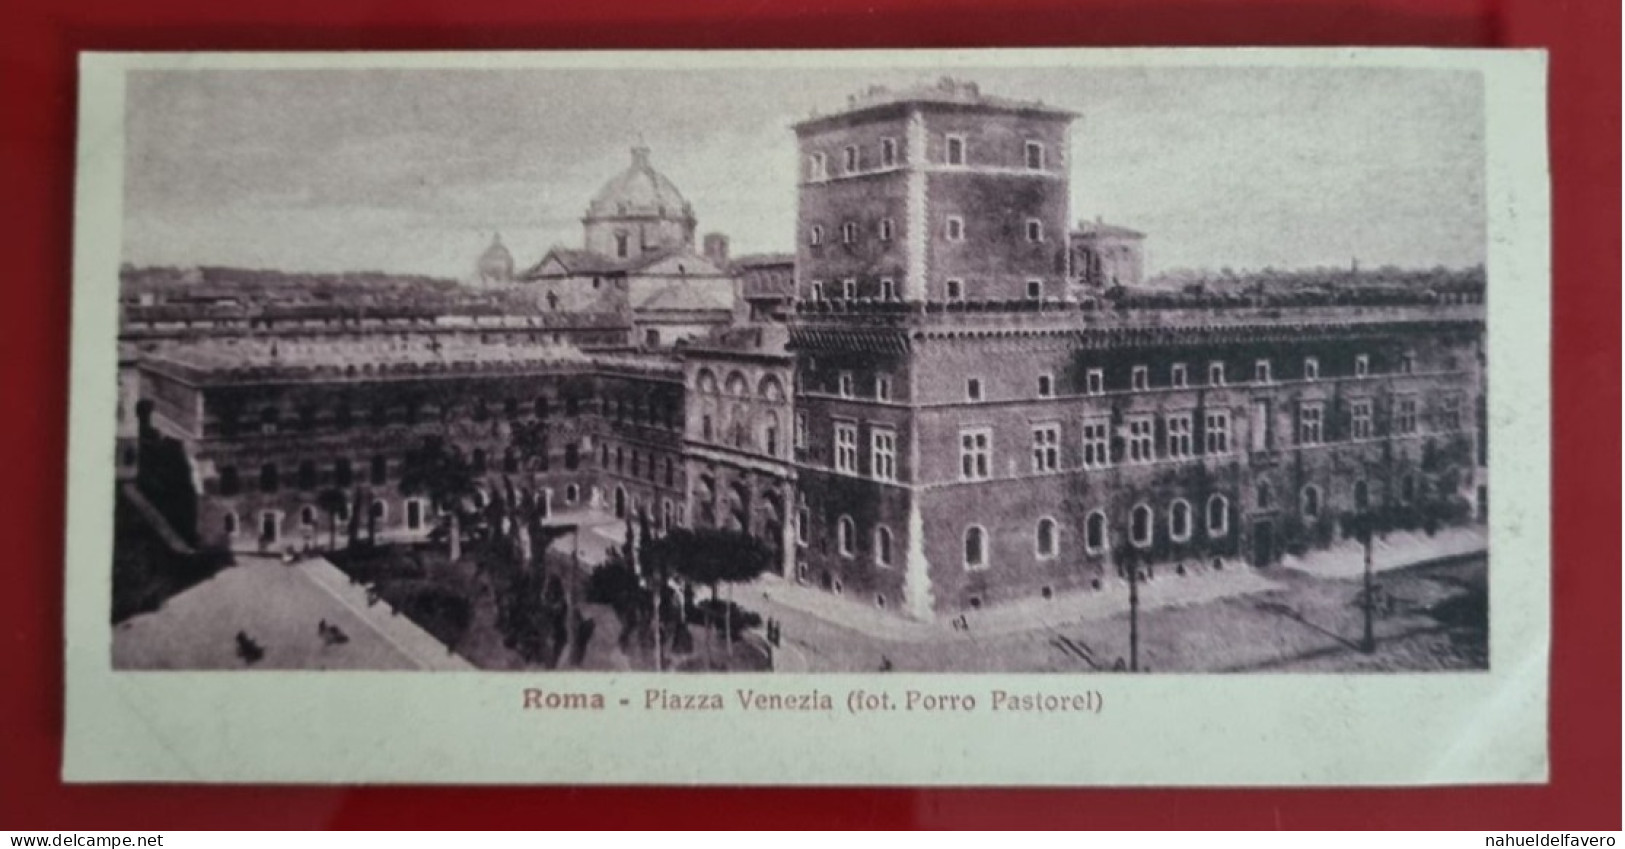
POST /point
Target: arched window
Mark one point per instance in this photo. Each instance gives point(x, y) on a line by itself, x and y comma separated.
point(307, 516)
point(1362, 496)
point(1179, 520)
point(1311, 502)
point(843, 536)
point(572, 494)
point(620, 503)
point(706, 382)
point(771, 389)
point(883, 546)
point(268, 478)
point(231, 524)
point(1266, 498)
point(736, 385)
point(975, 547)
point(1218, 516)
point(378, 511)
point(1140, 526)
point(1094, 533)
point(1045, 543)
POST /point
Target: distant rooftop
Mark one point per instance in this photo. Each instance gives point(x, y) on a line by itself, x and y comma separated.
point(946, 91)
point(260, 359)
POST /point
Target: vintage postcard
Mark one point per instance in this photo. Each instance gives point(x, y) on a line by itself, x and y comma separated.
point(1046, 417)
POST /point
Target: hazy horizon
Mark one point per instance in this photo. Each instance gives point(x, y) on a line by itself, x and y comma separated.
point(411, 171)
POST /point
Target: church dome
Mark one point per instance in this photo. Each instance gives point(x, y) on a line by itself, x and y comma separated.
point(640, 191)
point(496, 264)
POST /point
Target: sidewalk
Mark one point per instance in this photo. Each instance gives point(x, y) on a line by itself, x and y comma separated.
point(1201, 584)
point(396, 629)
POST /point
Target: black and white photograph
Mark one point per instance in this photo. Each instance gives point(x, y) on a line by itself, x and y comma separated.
point(915, 369)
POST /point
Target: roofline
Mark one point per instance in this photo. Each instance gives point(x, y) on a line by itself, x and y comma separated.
point(906, 104)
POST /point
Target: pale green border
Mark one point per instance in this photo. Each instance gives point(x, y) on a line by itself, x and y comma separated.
point(1155, 730)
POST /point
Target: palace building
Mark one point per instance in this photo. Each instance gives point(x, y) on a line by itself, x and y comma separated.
point(948, 397)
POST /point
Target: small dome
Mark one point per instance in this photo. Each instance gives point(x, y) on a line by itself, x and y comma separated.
point(496, 263)
point(639, 191)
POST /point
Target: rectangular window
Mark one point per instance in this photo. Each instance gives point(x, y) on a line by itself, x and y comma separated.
point(1450, 412)
point(1035, 156)
point(1309, 424)
point(1362, 365)
point(883, 454)
point(1046, 448)
point(815, 236)
point(1139, 440)
point(973, 389)
point(1261, 371)
point(1046, 386)
point(1407, 364)
point(975, 454)
point(1179, 436)
point(818, 290)
point(803, 525)
point(956, 150)
point(1094, 382)
point(1405, 414)
point(1360, 418)
point(817, 169)
point(887, 226)
point(1096, 444)
point(1311, 368)
point(882, 387)
point(1035, 290)
point(888, 289)
point(846, 447)
point(851, 161)
point(801, 430)
point(1215, 374)
point(844, 384)
point(1035, 230)
point(849, 233)
point(1217, 428)
point(956, 289)
point(888, 152)
point(1140, 378)
point(1176, 376)
point(849, 289)
point(956, 229)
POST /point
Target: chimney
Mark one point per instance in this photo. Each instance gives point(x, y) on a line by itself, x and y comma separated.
point(716, 248)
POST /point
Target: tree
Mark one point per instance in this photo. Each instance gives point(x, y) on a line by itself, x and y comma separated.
point(332, 502)
point(711, 557)
point(439, 473)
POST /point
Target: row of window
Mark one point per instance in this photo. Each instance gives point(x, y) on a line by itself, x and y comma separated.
point(417, 512)
point(953, 230)
point(855, 159)
point(885, 289)
point(307, 475)
point(1178, 438)
point(272, 419)
point(1179, 376)
point(641, 465)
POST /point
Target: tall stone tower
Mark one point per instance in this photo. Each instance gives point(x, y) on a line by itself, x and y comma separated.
point(926, 217)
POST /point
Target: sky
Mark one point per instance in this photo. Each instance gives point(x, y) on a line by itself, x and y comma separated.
point(412, 171)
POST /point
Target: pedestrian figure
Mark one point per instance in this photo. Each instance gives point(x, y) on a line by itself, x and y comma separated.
point(885, 664)
point(247, 649)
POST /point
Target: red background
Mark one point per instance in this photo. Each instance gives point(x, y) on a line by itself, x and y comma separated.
point(38, 43)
